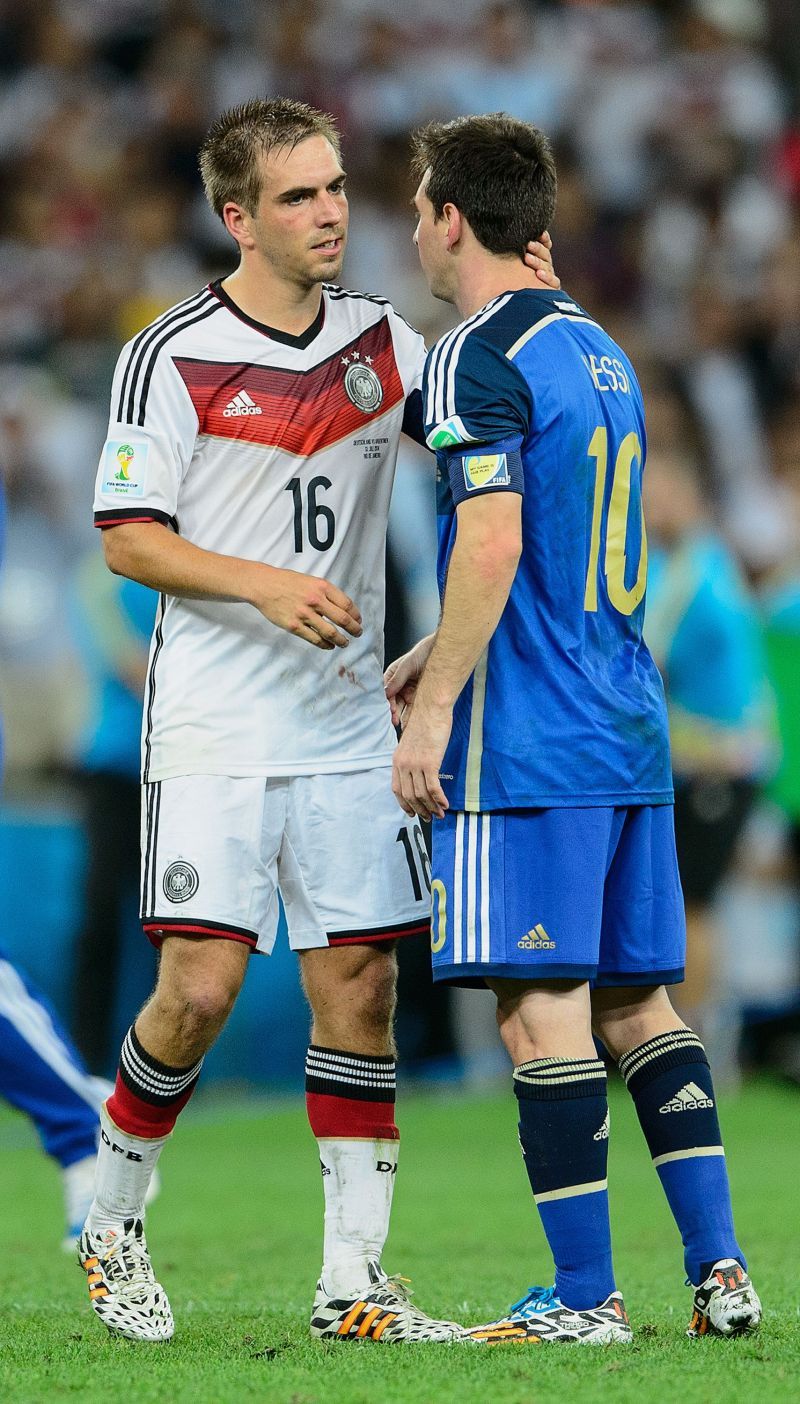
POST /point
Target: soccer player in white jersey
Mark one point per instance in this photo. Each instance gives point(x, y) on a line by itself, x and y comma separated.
point(249, 462)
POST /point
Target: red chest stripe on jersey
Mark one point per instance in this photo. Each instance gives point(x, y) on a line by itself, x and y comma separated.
point(299, 411)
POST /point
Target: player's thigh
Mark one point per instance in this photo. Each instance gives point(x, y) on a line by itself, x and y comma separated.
point(353, 869)
point(643, 940)
point(209, 858)
point(518, 895)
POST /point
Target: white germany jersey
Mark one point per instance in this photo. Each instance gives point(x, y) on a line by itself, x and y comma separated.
point(275, 448)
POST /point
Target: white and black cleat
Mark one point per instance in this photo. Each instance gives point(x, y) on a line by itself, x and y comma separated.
point(123, 1289)
point(540, 1317)
point(726, 1304)
point(382, 1312)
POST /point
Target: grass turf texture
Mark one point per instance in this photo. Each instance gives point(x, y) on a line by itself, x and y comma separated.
point(236, 1239)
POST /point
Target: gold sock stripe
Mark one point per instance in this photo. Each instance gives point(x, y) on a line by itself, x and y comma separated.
point(572, 1191)
point(559, 1071)
point(690, 1154)
point(546, 1063)
point(638, 1058)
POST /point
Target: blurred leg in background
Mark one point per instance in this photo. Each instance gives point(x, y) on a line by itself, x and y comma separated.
point(42, 1075)
point(709, 817)
point(112, 621)
point(111, 825)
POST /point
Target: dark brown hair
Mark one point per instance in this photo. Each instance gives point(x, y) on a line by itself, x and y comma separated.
point(497, 171)
point(229, 156)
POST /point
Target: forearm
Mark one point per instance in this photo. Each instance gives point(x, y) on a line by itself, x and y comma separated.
point(156, 556)
point(479, 581)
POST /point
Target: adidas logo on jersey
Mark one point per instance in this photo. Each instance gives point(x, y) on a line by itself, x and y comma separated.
point(602, 1134)
point(536, 939)
point(241, 404)
point(690, 1098)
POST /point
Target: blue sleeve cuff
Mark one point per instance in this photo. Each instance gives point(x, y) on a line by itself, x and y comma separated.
point(479, 468)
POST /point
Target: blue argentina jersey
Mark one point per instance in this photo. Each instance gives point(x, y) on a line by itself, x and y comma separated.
point(566, 706)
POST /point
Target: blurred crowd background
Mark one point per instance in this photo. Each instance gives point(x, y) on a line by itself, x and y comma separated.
point(677, 133)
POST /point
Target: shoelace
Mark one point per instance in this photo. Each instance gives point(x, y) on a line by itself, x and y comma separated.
point(401, 1287)
point(127, 1263)
point(541, 1298)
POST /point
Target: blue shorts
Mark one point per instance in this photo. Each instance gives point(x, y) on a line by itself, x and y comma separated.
point(558, 894)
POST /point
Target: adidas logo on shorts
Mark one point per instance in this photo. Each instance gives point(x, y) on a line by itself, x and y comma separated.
point(690, 1098)
point(241, 404)
point(536, 939)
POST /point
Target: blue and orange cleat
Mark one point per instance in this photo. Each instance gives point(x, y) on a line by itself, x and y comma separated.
point(541, 1317)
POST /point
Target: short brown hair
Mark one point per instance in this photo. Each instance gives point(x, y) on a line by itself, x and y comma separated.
point(499, 172)
point(229, 156)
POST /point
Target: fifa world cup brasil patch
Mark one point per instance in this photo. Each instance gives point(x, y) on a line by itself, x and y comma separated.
point(485, 470)
point(125, 464)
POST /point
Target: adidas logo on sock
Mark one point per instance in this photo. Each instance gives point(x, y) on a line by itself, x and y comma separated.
point(602, 1134)
point(690, 1098)
point(241, 404)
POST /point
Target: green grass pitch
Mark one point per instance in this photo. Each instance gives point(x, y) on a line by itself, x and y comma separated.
point(235, 1237)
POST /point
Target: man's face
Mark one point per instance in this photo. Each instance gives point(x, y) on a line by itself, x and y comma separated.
point(300, 226)
point(430, 239)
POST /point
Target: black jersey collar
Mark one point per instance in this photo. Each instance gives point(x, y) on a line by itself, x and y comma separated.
point(299, 342)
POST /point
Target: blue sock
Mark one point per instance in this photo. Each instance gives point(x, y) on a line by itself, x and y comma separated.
point(563, 1131)
point(670, 1082)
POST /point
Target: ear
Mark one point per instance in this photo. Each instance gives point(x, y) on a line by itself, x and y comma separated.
point(455, 224)
point(238, 224)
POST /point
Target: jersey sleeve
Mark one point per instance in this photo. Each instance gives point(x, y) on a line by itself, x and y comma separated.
point(147, 453)
point(409, 349)
point(478, 411)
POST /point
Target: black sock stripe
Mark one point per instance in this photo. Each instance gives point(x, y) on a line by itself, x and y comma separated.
point(367, 1059)
point(359, 1077)
point(153, 1064)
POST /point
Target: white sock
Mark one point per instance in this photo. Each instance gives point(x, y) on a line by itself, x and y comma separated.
point(125, 1166)
point(358, 1180)
point(78, 1183)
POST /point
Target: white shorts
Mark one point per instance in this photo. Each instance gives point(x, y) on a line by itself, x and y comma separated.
point(350, 867)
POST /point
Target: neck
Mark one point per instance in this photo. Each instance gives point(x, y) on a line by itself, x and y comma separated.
point(288, 307)
point(488, 278)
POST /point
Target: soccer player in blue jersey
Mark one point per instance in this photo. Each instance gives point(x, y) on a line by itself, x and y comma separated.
point(535, 735)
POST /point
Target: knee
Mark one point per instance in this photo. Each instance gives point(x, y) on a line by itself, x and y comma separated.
point(196, 1003)
point(512, 1031)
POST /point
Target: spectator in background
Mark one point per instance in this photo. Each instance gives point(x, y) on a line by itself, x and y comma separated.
point(702, 628)
point(114, 622)
point(779, 1038)
point(678, 225)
